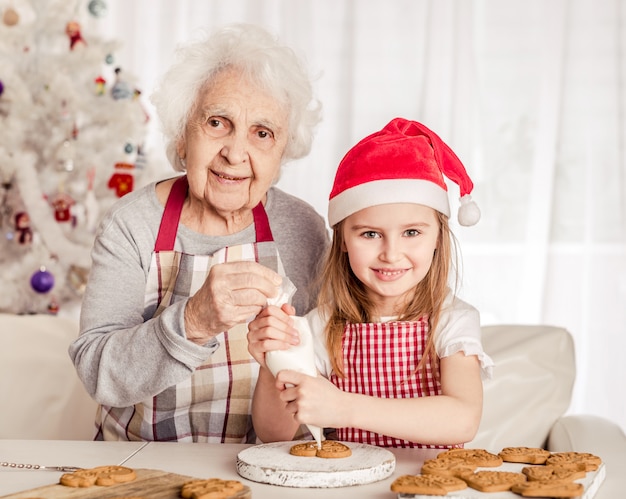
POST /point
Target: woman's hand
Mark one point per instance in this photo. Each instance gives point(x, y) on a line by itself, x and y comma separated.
point(231, 294)
point(310, 399)
point(271, 330)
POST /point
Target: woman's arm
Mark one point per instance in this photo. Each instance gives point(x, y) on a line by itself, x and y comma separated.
point(121, 356)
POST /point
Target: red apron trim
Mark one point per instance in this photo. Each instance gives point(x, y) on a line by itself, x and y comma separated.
point(169, 221)
point(166, 237)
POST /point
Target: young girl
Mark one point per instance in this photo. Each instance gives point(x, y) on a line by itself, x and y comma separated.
point(400, 356)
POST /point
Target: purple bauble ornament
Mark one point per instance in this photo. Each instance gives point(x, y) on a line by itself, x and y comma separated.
point(1, 87)
point(42, 281)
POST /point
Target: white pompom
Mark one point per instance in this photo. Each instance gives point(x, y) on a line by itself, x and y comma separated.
point(469, 213)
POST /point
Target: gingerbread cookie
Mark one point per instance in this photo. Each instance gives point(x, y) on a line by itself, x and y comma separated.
point(78, 478)
point(211, 488)
point(574, 459)
point(527, 455)
point(333, 449)
point(330, 449)
point(306, 449)
point(552, 473)
point(448, 467)
point(434, 485)
point(493, 481)
point(548, 489)
point(479, 457)
point(100, 475)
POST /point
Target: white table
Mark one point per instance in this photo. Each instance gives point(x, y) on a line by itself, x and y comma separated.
point(199, 460)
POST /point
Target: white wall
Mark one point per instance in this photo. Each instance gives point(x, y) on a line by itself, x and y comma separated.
point(531, 96)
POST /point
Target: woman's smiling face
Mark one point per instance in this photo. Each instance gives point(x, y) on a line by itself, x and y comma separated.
point(390, 248)
point(233, 144)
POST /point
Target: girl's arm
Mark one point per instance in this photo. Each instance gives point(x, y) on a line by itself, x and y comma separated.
point(450, 418)
point(447, 419)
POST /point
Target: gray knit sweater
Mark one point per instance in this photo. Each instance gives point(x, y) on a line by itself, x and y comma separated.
point(123, 355)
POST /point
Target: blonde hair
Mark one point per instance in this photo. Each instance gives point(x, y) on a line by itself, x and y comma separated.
point(343, 297)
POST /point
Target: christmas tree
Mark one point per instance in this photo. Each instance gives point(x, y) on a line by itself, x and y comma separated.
point(72, 127)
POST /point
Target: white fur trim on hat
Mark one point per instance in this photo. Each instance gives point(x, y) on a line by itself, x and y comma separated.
point(388, 191)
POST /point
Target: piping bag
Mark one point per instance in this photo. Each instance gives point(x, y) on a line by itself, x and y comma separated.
point(300, 357)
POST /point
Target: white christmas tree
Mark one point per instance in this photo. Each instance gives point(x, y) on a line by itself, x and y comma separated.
point(71, 133)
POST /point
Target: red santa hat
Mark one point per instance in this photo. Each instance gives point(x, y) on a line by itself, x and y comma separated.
point(402, 163)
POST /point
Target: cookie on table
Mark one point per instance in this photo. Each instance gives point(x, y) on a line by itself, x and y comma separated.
point(553, 473)
point(447, 467)
point(526, 455)
point(574, 459)
point(493, 481)
point(211, 488)
point(434, 485)
point(548, 488)
point(479, 457)
point(101, 475)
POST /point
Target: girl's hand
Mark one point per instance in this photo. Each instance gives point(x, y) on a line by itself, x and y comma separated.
point(310, 398)
point(271, 330)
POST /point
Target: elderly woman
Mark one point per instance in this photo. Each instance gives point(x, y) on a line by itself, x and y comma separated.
point(180, 266)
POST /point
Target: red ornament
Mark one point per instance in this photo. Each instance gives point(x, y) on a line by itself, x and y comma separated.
point(72, 29)
point(62, 204)
point(122, 180)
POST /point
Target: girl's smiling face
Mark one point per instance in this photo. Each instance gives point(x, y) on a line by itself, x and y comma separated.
point(390, 248)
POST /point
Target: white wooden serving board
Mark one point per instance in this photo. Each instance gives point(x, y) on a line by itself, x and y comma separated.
point(272, 463)
point(591, 482)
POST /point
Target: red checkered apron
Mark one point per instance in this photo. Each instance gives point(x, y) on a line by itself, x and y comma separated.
point(380, 359)
point(213, 404)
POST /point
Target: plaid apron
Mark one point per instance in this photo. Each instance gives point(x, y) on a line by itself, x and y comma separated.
point(213, 404)
point(380, 359)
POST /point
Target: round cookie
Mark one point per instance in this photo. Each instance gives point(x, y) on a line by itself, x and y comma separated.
point(306, 449)
point(333, 449)
point(330, 449)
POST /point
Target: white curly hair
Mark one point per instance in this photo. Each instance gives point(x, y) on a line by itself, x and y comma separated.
point(273, 66)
